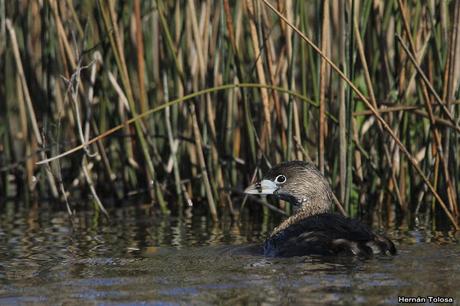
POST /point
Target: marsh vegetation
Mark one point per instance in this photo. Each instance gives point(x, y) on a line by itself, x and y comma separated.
point(187, 102)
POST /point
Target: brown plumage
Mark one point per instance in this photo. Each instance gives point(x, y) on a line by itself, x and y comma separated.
point(313, 229)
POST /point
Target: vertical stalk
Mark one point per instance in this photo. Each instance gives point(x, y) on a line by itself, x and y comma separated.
point(323, 79)
point(394, 183)
point(30, 108)
point(108, 15)
point(140, 55)
point(266, 128)
point(173, 144)
point(342, 105)
point(433, 127)
point(202, 163)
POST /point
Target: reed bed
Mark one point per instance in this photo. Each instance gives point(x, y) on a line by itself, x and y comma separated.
point(186, 102)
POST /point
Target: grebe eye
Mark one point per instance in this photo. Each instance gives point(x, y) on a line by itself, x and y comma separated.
point(280, 179)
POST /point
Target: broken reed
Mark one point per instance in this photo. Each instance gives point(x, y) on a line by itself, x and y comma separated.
point(376, 104)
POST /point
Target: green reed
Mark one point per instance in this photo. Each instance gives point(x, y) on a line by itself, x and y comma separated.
point(246, 90)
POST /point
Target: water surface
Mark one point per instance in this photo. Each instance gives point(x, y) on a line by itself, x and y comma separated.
point(137, 257)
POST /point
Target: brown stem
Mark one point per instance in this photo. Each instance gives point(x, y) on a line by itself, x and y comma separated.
point(374, 111)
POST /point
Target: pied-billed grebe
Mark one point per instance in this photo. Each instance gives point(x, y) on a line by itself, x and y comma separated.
point(313, 229)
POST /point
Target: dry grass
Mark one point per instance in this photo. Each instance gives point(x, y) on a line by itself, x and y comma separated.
point(368, 90)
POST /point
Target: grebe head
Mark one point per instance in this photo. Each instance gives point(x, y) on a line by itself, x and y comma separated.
point(299, 183)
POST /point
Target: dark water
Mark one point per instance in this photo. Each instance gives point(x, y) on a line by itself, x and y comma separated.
point(137, 258)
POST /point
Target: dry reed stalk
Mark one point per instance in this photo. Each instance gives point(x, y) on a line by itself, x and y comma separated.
point(62, 35)
point(122, 106)
point(23, 133)
point(229, 23)
point(323, 80)
point(198, 68)
point(155, 56)
point(400, 108)
point(173, 143)
point(140, 56)
point(297, 133)
point(240, 76)
point(412, 108)
point(343, 143)
point(452, 87)
point(73, 88)
point(230, 122)
point(205, 36)
point(143, 95)
point(266, 129)
point(420, 55)
point(21, 74)
point(97, 61)
point(428, 85)
point(173, 102)
point(275, 97)
point(450, 76)
point(169, 41)
point(66, 50)
point(393, 184)
point(109, 19)
point(339, 205)
point(28, 99)
point(302, 150)
point(427, 100)
point(211, 118)
point(75, 18)
point(197, 40)
point(202, 163)
point(208, 29)
point(435, 180)
point(272, 75)
point(60, 181)
point(376, 114)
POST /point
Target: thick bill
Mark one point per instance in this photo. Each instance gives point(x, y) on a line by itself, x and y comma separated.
point(262, 187)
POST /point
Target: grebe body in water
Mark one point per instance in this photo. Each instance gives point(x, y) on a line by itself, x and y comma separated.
point(313, 228)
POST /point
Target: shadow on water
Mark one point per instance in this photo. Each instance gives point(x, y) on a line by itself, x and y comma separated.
point(168, 260)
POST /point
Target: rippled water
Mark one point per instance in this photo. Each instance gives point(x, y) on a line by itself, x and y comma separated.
point(141, 258)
